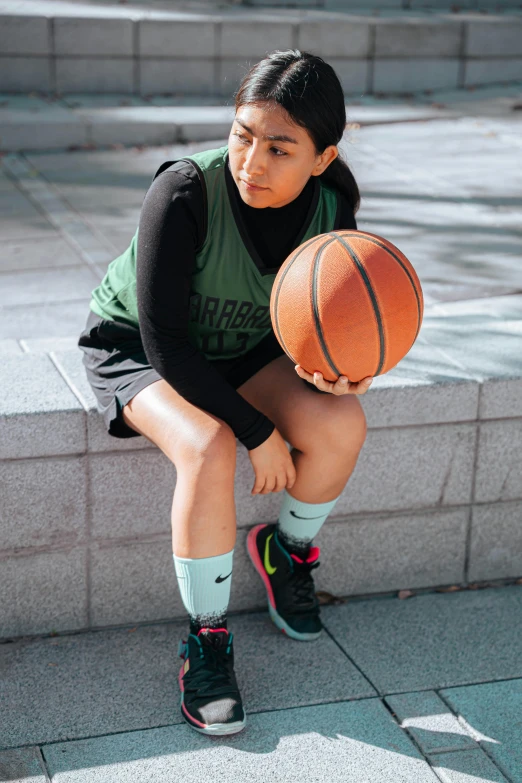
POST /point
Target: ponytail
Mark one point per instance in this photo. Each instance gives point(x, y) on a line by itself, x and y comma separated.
point(338, 175)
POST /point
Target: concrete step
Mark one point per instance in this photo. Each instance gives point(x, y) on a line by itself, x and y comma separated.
point(84, 121)
point(143, 50)
point(88, 122)
point(389, 6)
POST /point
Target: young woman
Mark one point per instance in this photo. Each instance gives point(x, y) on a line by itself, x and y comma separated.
point(179, 348)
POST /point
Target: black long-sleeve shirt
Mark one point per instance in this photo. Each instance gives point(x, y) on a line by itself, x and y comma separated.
point(170, 232)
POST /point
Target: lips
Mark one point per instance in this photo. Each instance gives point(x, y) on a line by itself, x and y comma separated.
point(253, 185)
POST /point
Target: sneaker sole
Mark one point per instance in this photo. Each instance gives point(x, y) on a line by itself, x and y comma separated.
point(217, 729)
point(276, 618)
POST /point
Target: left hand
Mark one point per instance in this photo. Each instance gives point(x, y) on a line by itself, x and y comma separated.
point(341, 385)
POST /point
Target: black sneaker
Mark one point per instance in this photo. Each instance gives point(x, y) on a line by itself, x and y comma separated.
point(292, 602)
point(210, 699)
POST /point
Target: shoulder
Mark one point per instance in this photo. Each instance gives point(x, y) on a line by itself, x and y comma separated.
point(177, 173)
point(176, 183)
point(174, 201)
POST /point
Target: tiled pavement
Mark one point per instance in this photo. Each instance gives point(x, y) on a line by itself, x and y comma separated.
point(398, 690)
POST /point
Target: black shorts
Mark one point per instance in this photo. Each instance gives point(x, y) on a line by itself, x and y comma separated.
point(117, 367)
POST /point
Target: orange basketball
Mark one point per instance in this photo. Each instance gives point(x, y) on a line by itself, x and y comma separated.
point(346, 303)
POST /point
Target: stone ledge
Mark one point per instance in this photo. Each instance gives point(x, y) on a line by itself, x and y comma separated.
point(434, 498)
point(452, 374)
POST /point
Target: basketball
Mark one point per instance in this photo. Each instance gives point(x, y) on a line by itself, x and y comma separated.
point(346, 303)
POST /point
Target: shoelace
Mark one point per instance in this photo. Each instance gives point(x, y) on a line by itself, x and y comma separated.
point(303, 585)
point(215, 677)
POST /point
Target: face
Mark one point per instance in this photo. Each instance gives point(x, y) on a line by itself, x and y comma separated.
point(280, 166)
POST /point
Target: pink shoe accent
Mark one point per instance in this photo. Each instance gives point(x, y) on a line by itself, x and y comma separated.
point(212, 630)
point(313, 555)
point(254, 554)
point(187, 713)
point(193, 720)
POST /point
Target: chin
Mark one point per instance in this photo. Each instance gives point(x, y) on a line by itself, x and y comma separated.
point(253, 199)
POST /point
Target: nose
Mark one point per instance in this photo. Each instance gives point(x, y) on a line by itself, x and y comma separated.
point(253, 164)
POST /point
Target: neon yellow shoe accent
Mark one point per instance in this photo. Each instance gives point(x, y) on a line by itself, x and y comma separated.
point(266, 563)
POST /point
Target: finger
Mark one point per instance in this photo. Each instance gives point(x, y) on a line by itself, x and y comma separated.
point(341, 385)
point(363, 386)
point(291, 477)
point(303, 374)
point(258, 485)
point(321, 383)
point(269, 487)
point(281, 481)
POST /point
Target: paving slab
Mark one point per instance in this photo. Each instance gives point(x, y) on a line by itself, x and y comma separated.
point(22, 765)
point(464, 148)
point(433, 640)
point(430, 722)
point(102, 682)
point(507, 308)
point(493, 712)
point(30, 287)
point(349, 742)
point(471, 766)
point(54, 319)
point(22, 254)
point(49, 344)
point(10, 346)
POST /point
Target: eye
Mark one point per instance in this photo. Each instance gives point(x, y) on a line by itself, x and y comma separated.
point(278, 153)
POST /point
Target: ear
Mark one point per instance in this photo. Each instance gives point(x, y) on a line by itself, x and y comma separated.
point(329, 155)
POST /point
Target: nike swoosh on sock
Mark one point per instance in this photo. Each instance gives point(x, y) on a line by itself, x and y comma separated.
point(298, 517)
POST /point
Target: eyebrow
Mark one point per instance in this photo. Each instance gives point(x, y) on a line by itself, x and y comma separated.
point(268, 138)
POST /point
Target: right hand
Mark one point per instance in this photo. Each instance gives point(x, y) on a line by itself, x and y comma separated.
point(273, 465)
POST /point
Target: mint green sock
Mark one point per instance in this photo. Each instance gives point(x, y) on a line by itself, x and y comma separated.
point(299, 522)
point(204, 584)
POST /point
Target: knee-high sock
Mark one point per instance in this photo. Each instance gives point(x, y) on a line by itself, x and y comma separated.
point(299, 522)
point(204, 584)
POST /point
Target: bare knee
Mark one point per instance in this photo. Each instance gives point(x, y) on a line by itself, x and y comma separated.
point(341, 428)
point(207, 448)
point(347, 429)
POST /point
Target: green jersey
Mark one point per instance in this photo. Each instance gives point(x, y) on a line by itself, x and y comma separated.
point(230, 294)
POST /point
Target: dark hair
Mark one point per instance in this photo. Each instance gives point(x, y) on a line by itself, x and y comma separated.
point(309, 90)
